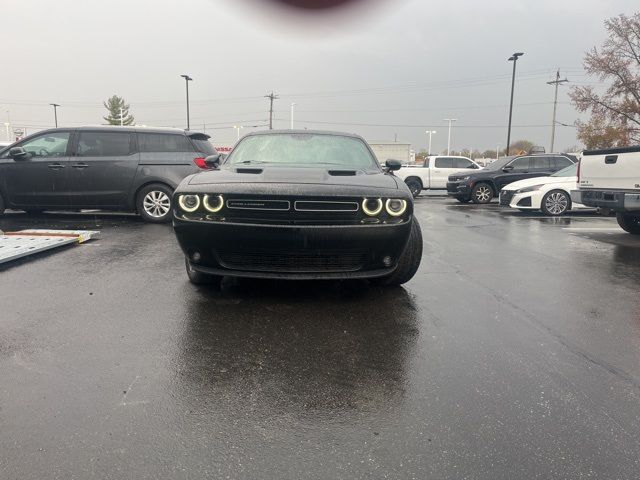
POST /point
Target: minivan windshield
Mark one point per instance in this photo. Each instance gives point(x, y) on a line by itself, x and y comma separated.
point(302, 150)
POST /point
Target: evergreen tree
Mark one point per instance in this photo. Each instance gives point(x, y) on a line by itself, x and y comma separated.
point(118, 111)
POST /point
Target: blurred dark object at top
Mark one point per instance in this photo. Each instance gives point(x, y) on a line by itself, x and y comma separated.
point(315, 4)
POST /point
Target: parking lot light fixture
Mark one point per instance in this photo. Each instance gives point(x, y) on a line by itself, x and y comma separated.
point(238, 128)
point(55, 112)
point(450, 120)
point(513, 58)
point(430, 132)
point(187, 79)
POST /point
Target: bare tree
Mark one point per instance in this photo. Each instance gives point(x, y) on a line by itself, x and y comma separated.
point(615, 111)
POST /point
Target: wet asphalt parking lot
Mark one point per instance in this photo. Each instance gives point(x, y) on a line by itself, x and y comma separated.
point(513, 353)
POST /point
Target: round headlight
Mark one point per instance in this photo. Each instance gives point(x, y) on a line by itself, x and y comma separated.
point(372, 206)
point(189, 203)
point(396, 206)
point(213, 203)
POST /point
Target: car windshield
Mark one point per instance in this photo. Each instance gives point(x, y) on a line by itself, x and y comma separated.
point(570, 171)
point(499, 163)
point(303, 150)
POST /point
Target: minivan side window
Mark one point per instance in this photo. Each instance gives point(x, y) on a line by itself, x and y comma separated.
point(520, 164)
point(48, 145)
point(163, 143)
point(444, 162)
point(104, 144)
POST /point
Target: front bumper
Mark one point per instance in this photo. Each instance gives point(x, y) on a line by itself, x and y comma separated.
point(523, 201)
point(613, 200)
point(292, 251)
point(458, 189)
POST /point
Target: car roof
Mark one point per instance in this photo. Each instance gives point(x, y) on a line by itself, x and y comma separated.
point(130, 128)
point(308, 132)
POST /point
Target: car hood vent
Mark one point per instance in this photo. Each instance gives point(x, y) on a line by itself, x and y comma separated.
point(256, 171)
point(342, 173)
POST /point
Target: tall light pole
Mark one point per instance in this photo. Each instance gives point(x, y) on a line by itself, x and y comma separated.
point(187, 79)
point(513, 58)
point(292, 105)
point(55, 112)
point(450, 120)
point(238, 128)
point(556, 82)
point(429, 132)
point(497, 151)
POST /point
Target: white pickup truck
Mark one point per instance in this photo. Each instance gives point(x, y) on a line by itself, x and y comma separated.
point(610, 180)
point(434, 172)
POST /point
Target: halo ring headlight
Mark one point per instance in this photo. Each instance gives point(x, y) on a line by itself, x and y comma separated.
point(213, 208)
point(369, 211)
point(188, 204)
point(397, 210)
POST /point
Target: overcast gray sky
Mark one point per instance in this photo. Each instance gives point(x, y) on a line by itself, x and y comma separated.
point(394, 67)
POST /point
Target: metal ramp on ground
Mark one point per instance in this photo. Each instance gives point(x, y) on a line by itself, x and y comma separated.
point(15, 245)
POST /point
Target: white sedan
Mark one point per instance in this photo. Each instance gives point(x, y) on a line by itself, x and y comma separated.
point(551, 194)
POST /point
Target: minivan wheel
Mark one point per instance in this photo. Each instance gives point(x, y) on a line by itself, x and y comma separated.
point(482, 193)
point(154, 203)
point(629, 222)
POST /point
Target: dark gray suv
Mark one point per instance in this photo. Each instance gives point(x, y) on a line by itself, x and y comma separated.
point(111, 168)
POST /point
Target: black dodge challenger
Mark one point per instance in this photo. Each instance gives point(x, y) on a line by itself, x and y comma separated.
point(298, 204)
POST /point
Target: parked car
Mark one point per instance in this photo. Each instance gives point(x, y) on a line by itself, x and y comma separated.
point(298, 205)
point(114, 168)
point(433, 173)
point(483, 186)
point(549, 194)
point(610, 180)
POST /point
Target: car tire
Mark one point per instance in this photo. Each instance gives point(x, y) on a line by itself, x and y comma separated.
point(555, 202)
point(154, 203)
point(415, 186)
point(463, 199)
point(482, 193)
point(629, 222)
point(409, 260)
point(199, 278)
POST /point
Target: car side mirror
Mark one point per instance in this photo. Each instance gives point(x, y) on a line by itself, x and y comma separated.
point(18, 153)
point(507, 168)
point(393, 165)
point(213, 160)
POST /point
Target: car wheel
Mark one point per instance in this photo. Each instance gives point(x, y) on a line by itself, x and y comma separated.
point(555, 202)
point(409, 261)
point(482, 193)
point(463, 199)
point(629, 222)
point(154, 203)
point(199, 278)
point(415, 186)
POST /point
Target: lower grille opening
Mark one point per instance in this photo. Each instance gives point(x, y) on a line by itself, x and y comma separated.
point(293, 262)
point(525, 202)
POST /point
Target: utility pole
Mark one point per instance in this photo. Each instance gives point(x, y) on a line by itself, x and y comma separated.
point(497, 151)
point(55, 112)
point(271, 98)
point(450, 120)
point(292, 105)
point(556, 82)
point(187, 79)
point(513, 58)
point(121, 113)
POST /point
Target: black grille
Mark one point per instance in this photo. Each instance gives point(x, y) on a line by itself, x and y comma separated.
point(293, 262)
point(506, 196)
point(452, 187)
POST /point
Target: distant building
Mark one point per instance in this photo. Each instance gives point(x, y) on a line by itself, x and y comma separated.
point(396, 150)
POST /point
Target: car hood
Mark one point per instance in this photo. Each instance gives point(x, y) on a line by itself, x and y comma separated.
point(295, 176)
point(529, 182)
